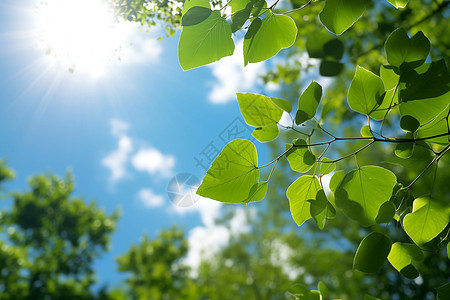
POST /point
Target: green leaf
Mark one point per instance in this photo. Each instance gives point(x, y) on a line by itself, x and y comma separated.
point(188, 4)
point(362, 192)
point(405, 149)
point(258, 110)
point(323, 289)
point(330, 68)
point(428, 218)
point(319, 208)
point(372, 252)
point(389, 77)
point(266, 133)
point(205, 42)
point(283, 104)
point(336, 180)
point(409, 123)
point(386, 212)
point(257, 192)
point(238, 19)
point(398, 3)
point(365, 131)
point(300, 158)
point(366, 94)
point(339, 15)
point(443, 292)
point(438, 126)
point(232, 174)
point(448, 250)
point(195, 15)
point(299, 192)
point(400, 48)
point(308, 103)
point(322, 45)
point(402, 255)
point(237, 5)
point(275, 32)
point(327, 166)
point(299, 290)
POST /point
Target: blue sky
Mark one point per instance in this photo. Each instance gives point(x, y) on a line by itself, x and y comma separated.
point(124, 133)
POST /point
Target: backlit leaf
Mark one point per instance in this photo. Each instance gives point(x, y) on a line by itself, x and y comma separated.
point(327, 166)
point(339, 15)
point(266, 133)
point(276, 32)
point(300, 158)
point(386, 212)
point(400, 48)
point(205, 42)
point(299, 192)
point(232, 174)
point(362, 192)
point(372, 252)
point(257, 192)
point(195, 15)
point(308, 102)
point(398, 3)
point(366, 94)
point(428, 218)
point(403, 255)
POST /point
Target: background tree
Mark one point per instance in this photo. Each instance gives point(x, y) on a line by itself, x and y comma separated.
point(50, 240)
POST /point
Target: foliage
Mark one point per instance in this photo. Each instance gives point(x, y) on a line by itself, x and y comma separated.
point(405, 91)
point(51, 240)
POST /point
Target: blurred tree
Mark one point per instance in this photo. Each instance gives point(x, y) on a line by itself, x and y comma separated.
point(49, 240)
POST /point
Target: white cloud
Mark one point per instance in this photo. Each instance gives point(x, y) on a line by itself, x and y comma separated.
point(232, 77)
point(118, 127)
point(116, 160)
point(154, 162)
point(149, 198)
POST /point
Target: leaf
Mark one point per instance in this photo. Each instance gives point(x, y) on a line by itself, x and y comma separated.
point(402, 256)
point(443, 292)
point(327, 166)
point(299, 192)
point(283, 104)
point(308, 103)
point(232, 174)
point(330, 68)
point(428, 218)
point(437, 126)
point(372, 252)
point(300, 158)
point(238, 19)
point(448, 250)
point(398, 3)
point(400, 48)
point(336, 180)
point(323, 289)
point(385, 213)
point(322, 45)
point(365, 131)
point(257, 192)
point(195, 15)
point(188, 4)
point(299, 290)
point(389, 77)
point(266, 133)
point(362, 192)
point(339, 15)
point(405, 149)
point(366, 94)
point(276, 32)
point(237, 5)
point(319, 208)
point(205, 42)
point(258, 110)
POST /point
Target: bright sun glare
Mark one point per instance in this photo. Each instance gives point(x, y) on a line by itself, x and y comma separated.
point(79, 34)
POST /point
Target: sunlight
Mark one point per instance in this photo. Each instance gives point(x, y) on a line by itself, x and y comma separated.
point(79, 35)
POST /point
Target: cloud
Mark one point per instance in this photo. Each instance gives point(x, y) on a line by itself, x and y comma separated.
point(149, 198)
point(232, 77)
point(118, 127)
point(154, 162)
point(116, 161)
